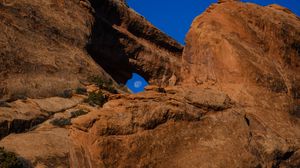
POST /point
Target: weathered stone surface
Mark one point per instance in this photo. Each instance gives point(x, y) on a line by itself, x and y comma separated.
point(203, 98)
point(248, 52)
point(42, 47)
point(133, 117)
point(57, 104)
point(244, 50)
point(44, 148)
point(49, 46)
point(158, 130)
point(20, 116)
point(236, 43)
point(123, 42)
point(237, 104)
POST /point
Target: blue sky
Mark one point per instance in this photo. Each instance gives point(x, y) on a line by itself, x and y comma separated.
point(137, 83)
point(174, 17)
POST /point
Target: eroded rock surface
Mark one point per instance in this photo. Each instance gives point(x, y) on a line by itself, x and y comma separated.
point(244, 48)
point(140, 122)
point(236, 102)
point(47, 46)
point(20, 116)
point(250, 52)
point(123, 42)
point(42, 47)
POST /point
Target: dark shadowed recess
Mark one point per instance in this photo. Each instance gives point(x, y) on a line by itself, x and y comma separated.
point(104, 45)
point(111, 12)
point(107, 45)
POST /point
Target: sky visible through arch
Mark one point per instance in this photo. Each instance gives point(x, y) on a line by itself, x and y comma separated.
point(137, 83)
point(174, 17)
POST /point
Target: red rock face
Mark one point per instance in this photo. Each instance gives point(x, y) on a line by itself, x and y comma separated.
point(123, 42)
point(250, 52)
point(235, 103)
point(229, 41)
point(42, 47)
point(245, 48)
point(52, 43)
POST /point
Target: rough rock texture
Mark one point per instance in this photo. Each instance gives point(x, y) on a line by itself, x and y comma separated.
point(124, 42)
point(130, 130)
point(22, 115)
point(236, 102)
point(252, 54)
point(173, 126)
point(246, 50)
point(47, 46)
point(19, 116)
point(42, 47)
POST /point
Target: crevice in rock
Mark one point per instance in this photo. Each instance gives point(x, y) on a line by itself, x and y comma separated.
point(295, 110)
point(151, 124)
point(296, 46)
point(211, 107)
point(20, 125)
point(4, 104)
point(280, 157)
point(250, 134)
point(247, 120)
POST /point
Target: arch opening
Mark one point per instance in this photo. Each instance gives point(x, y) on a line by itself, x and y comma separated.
point(137, 83)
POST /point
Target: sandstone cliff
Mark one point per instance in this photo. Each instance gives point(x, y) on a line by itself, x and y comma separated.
point(42, 47)
point(235, 103)
point(123, 42)
point(49, 46)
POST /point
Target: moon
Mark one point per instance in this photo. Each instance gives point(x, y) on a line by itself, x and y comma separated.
point(137, 84)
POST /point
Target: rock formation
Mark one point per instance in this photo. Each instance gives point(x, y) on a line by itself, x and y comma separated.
point(123, 42)
point(45, 46)
point(42, 47)
point(232, 99)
